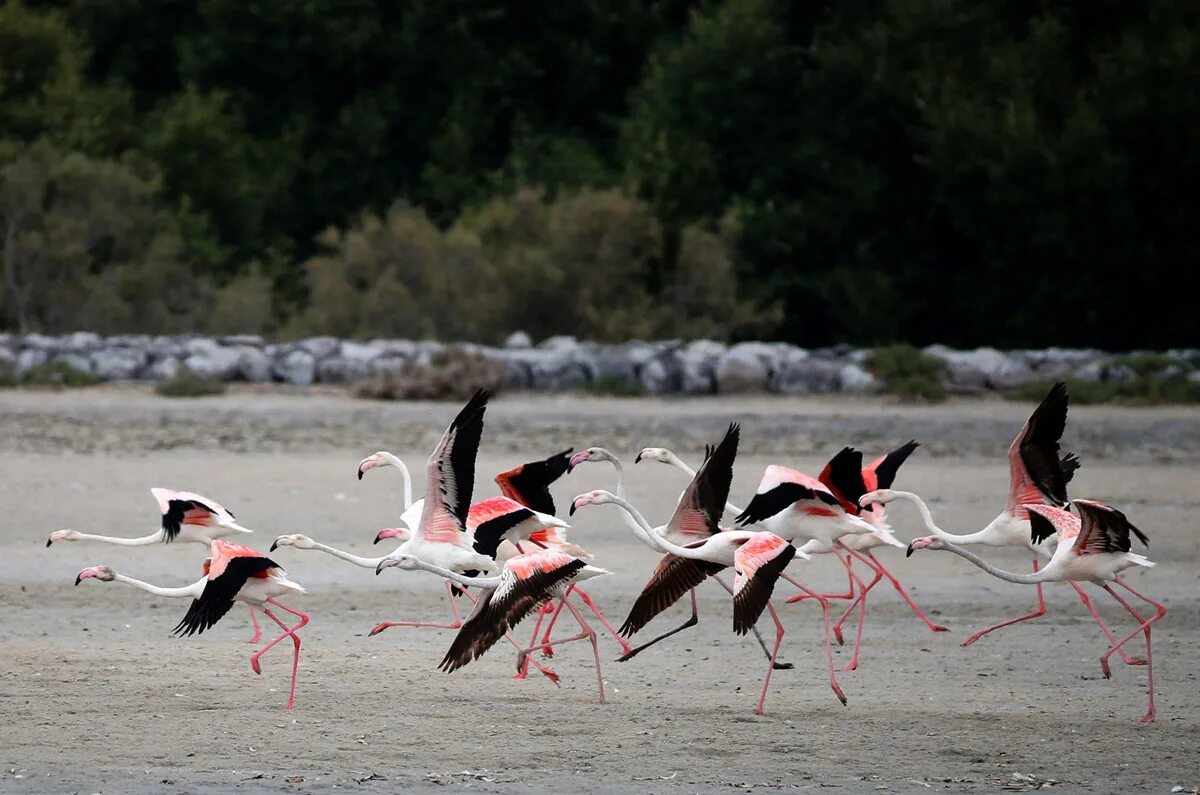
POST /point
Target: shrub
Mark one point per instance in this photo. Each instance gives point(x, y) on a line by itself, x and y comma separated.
point(615, 386)
point(908, 372)
point(454, 373)
point(1143, 390)
point(59, 375)
point(186, 383)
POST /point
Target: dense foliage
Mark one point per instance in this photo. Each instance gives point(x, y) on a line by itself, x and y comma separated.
point(1011, 173)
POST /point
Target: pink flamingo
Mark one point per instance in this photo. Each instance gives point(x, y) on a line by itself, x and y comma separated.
point(185, 516)
point(758, 558)
point(1038, 475)
point(524, 584)
point(232, 573)
point(1093, 547)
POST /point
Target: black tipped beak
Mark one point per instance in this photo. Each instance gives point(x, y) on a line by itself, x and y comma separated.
point(274, 544)
point(360, 473)
point(571, 511)
point(908, 552)
point(637, 458)
point(48, 542)
point(78, 579)
point(377, 540)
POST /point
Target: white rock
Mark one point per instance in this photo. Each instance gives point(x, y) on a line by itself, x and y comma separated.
point(162, 368)
point(297, 367)
point(518, 340)
point(320, 347)
point(29, 359)
point(81, 342)
point(112, 364)
point(561, 342)
point(558, 372)
point(801, 374)
point(39, 342)
point(213, 361)
point(76, 361)
point(662, 375)
point(853, 378)
point(742, 368)
point(254, 365)
point(341, 369)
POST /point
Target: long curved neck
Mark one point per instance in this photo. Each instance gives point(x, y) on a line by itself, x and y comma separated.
point(398, 464)
point(140, 541)
point(616, 462)
point(194, 590)
point(640, 527)
point(1020, 579)
point(366, 563)
point(461, 579)
point(677, 462)
point(927, 518)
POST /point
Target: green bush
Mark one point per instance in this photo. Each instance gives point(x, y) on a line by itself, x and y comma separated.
point(1144, 390)
point(908, 372)
point(186, 383)
point(59, 375)
point(453, 374)
point(1146, 364)
point(614, 386)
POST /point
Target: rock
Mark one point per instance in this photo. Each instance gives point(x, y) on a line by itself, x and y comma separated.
point(39, 342)
point(1119, 374)
point(298, 367)
point(114, 364)
point(558, 372)
point(81, 342)
point(340, 369)
point(162, 368)
point(517, 374)
point(614, 364)
point(236, 340)
point(425, 350)
point(853, 378)
point(982, 367)
point(364, 352)
point(662, 375)
point(518, 340)
point(166, 346)
point(698, 360)
point(254, 365)
point(742, 368)
point(29, 359)
point(561, 342)
point(140, 342)
point(387, 363)
point(805, 373)
point(320, 347)
point(405, 348)
point(76, 361)
point(211, 360)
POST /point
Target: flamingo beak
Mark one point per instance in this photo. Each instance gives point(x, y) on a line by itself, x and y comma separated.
point(378, 538)
point(50, 541)
point(638, 458)
point(908, 552)
point(571, 512)
point(274, 546)
point(576, 460)
point(78, 578)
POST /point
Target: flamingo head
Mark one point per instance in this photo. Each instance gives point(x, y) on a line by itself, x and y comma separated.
point(62, 535)
point(924, 542)
point(878, 497)
point(597, 497)
point(659, 454)
point(406, 562)
point(590, 454)
point(391, 532)
point(379, 459)
point(102, 573)
point(295, 540)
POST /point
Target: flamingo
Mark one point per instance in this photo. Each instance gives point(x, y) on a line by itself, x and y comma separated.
point(410, 511)
point(694, 534)
point(601, 454)
point(186, 516)
point(1038, 474)
point(525, 582)
point(233, 572)
point(880, 472)
point(1092, 547)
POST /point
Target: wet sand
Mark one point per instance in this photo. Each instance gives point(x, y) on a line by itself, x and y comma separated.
point(98, 697)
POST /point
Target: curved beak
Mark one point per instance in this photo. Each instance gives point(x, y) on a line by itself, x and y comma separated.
point(637, 458)
point(378, 537)
point(79, 578)
point(908, 552)
point(383, 564)
point(576, 460)
point(360, 473)
point(274, 545)
point(50, 541)
point(571, 511)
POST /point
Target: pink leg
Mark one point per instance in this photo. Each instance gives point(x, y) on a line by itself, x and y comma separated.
point(587, 600)
point(837, 689)
point(1160, 611)
point(296, 640)
point(861, 601)
point(586, 632)
point(288, 632)
point(548, 651)
point(257, 630)
point(904, 595)
point(779, 666)
point(849, 585)
point(1087, 602)
point(521, 674)
point(380, 627)
point(1041, 611)
point(762, 699)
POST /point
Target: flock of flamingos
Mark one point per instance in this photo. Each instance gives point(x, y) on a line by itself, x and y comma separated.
point(510, 557)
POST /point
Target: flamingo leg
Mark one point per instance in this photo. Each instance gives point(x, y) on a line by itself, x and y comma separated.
point(296, 640)
point(800, 597)
point(521, 674)
point(691, 622)
point(548, 651)
point(1041, 611)
point(257, 629)
point(380, 627)
point(904, 595)
point(861, 601)
point(587, 600)
point(1143, 626)
point(585, 632)
point(288, 632)
point(1087, 602)
point(762, 699)
point(779, 666)
point(837, 689)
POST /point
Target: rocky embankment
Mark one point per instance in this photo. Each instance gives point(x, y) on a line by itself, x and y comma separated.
point(556, 364)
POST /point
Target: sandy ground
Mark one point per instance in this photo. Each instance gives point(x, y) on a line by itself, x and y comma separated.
point(97, 697)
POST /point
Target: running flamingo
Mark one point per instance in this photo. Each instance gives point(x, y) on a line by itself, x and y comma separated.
point(1093, 547)
point(694, 534)
point(601, 454)
point(185, 516)
point(232, 573)
point(524, 584)
point(410, 513)
point(1038, 475)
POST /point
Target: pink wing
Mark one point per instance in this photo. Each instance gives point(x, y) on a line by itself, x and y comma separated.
point(451, 476)
point(1064, 523)
point(224, 551)
point(489, 509)
point(757, 564)
point(783, 488)
point(698, 514)
point(1036, 472)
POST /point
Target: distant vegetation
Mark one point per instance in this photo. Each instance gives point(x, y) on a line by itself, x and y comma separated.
point(452, 374)
point(1010, 174)
point(908, 372)
point(186, 383)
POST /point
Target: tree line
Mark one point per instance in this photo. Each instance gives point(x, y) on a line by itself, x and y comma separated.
point(1018, 173)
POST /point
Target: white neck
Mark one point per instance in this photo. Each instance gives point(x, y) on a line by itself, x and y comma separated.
point(1020, 579)
point(461, 579)
point(366, 563)
point(642, 528)
point(140, 541)
point(677, 462)
point(194, 590)
point(927, 517)
point(616, 462)
point(398, 464)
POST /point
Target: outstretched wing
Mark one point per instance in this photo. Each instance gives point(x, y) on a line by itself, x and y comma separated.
point(451, 473)
point(881, 473)
point(843, 476)
point(1036, 469)
point(702, 503)
point(758, 562)
point(671, 579)
point(183, 507)
point(1104, 529)
point(529, 484)
point(219, 593)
